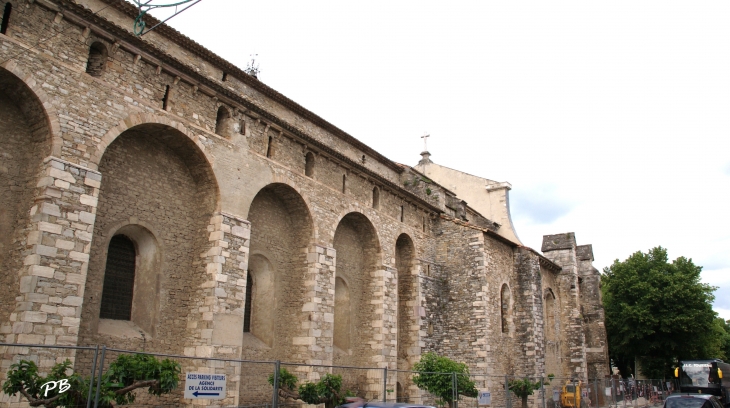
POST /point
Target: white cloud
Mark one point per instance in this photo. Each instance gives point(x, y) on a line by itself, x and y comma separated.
point(540, 204)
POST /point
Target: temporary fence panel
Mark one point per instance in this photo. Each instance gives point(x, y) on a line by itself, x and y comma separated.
point(45, 357)
point(253, 383)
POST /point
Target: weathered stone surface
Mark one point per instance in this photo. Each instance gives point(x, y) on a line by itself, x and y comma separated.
point(263, 233)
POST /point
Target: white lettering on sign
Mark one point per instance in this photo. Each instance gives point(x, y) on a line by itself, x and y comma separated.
point(62, 385)
point(697, 365)
point(205, 386)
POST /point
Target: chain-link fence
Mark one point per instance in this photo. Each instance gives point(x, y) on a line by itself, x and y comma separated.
point(259, 384)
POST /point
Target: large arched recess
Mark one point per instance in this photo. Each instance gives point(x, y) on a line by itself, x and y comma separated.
point(25, 140)
point(155, 179)
point(407, 320)
point(358, 258)
point(281, 231)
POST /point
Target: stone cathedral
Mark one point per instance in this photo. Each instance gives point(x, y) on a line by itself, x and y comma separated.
point(155, 197)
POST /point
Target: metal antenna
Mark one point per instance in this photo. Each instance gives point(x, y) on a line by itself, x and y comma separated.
point(253, 68)
point(146, 6)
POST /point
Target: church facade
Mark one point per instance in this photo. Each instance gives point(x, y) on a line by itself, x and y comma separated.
point(154, 197)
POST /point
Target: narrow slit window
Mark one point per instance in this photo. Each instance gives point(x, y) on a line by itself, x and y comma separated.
point(118, 289)
point(268, 147)
point(376, 197)
point(225, 77)
point(402, 213)
point(344, 183)
point(6, 18)
point(166, 98)
point(423, 221)
point(247, 306)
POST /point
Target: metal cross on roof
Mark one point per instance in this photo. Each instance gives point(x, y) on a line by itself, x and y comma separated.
point(425, 138)
point(145, 6)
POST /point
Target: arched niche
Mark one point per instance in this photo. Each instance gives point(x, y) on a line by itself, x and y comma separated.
point(342, 328)
point(144, 292)
point(261, 305)
point(224, 122)
point(96, 62)
point(407, 292)
point(153, 175)
point(551, 318)
point(25, 140)
point(407, 316)
point(309, 164)
point(505, 309)
point(281, 231)
point(358, 257)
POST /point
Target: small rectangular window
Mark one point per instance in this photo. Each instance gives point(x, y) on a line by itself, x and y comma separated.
point(6, 18)
point(166, 98)
point(268, 147)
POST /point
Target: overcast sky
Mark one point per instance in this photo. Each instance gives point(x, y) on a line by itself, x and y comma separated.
point(609, 119)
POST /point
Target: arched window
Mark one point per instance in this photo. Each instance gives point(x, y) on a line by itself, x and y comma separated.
point(6, 18)
point(505, 310)
point(247, 306)
point(376, 197)
point(222, 122)
point(309, 165)
point(117, 294)
point(97, 59)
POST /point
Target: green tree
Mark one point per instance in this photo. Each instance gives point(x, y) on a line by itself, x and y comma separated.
point(721, 348)
point(434, 374)
point(657, 312)
point(326, 391)
point(525, 387)
point(125, 374)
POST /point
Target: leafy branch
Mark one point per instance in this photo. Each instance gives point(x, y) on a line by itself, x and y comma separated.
point(125, 374)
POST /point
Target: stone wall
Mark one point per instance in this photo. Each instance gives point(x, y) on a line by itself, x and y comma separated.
point(593, 315)
point(209, 179)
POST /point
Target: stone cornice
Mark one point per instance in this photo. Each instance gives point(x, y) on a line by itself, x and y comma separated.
point(105, 29)
point(212, 58)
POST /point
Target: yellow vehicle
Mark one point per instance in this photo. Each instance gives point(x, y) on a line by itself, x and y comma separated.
point(570, 397)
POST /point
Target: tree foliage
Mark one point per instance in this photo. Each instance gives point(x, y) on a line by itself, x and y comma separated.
point(125, 374)
point(327, 391)
point(525, 387)
point(657, 312)
point(433, 374)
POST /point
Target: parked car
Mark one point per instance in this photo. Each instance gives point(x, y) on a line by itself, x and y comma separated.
point(687, 400)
